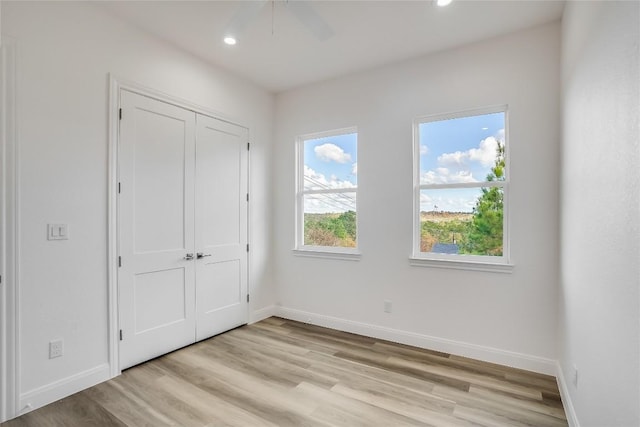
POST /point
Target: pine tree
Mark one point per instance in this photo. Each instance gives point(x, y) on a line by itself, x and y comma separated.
point(485, 237)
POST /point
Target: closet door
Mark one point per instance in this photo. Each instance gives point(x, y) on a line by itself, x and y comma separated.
point(156, 278)
point(221, 226)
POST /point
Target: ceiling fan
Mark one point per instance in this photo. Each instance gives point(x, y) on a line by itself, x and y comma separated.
point(301, 9)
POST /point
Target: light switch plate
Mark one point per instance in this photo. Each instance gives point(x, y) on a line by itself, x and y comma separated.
point(57, 232)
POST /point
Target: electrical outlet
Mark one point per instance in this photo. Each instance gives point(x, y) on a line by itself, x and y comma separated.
point(388, 306)
point(55, 349)
point(575, 376)
point(57, 232)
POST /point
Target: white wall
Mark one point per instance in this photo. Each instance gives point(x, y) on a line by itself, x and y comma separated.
point(600, 213)
point(64, 54)
point(510, 318)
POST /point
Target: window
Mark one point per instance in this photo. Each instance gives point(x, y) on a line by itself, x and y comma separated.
point(326, 219)
point(461, 185)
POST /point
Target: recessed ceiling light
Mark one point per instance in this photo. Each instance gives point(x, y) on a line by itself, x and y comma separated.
point(230, 40)
point(443, 3)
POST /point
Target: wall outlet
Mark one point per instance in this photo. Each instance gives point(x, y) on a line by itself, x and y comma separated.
point(574, 378)
point(57, 232)
point(388, 306)
point(56, 349)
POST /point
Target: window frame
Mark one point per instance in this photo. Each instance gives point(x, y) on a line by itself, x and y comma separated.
point(331, 252)
point(498, 264)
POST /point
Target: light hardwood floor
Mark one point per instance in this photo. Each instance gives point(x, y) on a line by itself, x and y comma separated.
point(284, 373)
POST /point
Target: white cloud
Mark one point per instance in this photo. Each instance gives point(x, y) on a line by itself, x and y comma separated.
point(332, 202)
point(425, 199)
point(452, 159)
point(354, 168)
point(313, 179)
point(485, 154)
point(424, 150)
point(329, 203)
point(330, 152)
point(445, 176)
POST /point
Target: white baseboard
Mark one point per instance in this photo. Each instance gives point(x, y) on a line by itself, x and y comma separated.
point(569, 410)
point(503, 357)
point(262, 314)
point(57, 390)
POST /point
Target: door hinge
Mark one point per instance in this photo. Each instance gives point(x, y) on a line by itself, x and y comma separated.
point(120, 334)
point(119, 261)
point(247, 297)
point(120, 114)
point(119, 188)
point(247, 247)
point(248, 146)
point(247, 197)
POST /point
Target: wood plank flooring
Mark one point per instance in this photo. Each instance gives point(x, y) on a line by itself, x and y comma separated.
point(284, 373)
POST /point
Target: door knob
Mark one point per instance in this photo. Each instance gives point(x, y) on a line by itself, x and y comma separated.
point(201, 255)
point(188, 257)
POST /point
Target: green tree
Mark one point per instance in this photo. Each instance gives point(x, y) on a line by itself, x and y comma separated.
point(348, 220)
point(485, 235)
point(448, 231)
point(330, 229)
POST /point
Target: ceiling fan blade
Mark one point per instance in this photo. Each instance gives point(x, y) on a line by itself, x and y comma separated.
point(247, 12)
point(306, 14)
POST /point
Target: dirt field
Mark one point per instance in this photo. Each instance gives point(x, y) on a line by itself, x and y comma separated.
point(444, 216)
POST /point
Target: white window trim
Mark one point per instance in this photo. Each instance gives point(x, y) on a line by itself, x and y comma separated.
point(501, 264)
point(329, 252)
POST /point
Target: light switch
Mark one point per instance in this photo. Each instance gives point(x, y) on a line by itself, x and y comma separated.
point(57, 232)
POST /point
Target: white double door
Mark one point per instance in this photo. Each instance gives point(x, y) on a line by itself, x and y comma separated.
point(182, 224)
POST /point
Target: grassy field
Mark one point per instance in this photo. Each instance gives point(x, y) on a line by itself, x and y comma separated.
point(434, 216)
point(443, 227)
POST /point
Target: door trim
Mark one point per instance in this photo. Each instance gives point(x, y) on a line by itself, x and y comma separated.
point(116, 85)
point(9, 225)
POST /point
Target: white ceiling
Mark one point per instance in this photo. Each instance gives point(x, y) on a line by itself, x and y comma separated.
point(277, 52)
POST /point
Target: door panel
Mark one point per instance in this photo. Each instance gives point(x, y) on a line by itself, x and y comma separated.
point(221, 226)
point(219, 177)
point(159, 298)
point(220, 286)
point(156, 228)
point(159, 182)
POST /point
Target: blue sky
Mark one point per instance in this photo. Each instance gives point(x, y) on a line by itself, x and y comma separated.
point(331, 162)
point(461, 150)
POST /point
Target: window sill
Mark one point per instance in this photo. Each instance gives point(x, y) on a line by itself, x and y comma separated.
point(347, 255)
point(462, 265)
